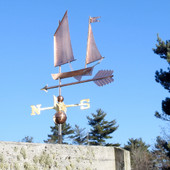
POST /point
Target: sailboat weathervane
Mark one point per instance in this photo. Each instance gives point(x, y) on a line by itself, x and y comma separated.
point(63, 54)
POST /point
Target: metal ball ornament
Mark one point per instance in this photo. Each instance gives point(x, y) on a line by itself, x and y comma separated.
point(60, 98)
point(60, 117)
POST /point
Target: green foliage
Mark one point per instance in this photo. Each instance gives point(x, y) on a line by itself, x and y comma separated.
point(141, 157)
point(135, 144)
point(27, 139)
point(100, 128)
point(66, 133)
point(163, 77)
point(161, 153)
point(162, 48)
point(79, 137)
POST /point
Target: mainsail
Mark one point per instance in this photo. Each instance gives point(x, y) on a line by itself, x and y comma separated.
point(92, 53)
point(63, 52)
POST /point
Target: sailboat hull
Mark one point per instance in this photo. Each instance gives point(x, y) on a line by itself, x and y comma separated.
point(81, 72)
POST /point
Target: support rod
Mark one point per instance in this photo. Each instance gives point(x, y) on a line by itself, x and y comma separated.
point(60, 125)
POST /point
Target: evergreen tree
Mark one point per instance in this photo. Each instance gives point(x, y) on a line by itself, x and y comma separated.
point(66, 133)
point(28, 139)
point(79, 137)
point(163, 77)
point(162, 147)
point(100, 129)
point(135, 144)
point(141, 157)
point(161, 153)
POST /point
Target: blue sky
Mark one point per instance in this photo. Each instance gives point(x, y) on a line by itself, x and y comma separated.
point(125, 36)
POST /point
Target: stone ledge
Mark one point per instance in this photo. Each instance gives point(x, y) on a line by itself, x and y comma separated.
point(39, 156)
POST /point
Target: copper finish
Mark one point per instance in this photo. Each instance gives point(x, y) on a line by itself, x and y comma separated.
point(105, 75)
point(60, 22)
point(102, 78)
point(86, 71)
point(60, 98)
point(63, 52)
point(60, 117)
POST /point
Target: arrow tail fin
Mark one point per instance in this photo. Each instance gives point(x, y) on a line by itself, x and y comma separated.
point(103, 77)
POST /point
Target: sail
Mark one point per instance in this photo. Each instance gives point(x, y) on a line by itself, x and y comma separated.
point(92, 53)
point(62, 44)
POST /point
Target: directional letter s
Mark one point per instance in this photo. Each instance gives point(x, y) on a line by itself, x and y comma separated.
point(84, 104)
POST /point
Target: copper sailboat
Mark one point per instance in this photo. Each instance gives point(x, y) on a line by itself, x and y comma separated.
point(63, 52)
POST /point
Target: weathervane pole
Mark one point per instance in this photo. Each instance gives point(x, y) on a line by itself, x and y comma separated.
point(60, 125)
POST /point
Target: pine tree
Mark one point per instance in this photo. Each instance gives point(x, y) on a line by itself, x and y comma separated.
point(163, 77)
point(79, 137)
point(66, 133)
point(28, 139)
point(141, 157)
point(100, 129)
point(161, 153)
point(135, 144)
point(162, 147)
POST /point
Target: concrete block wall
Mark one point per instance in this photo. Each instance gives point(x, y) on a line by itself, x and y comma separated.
point(36, 156)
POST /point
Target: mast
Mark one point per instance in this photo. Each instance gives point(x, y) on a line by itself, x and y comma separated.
point(59, 81)
point(87, 42)
point(63, 54)
point(59, 125)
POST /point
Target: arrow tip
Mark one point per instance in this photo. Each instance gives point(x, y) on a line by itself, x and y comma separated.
point(45, 88)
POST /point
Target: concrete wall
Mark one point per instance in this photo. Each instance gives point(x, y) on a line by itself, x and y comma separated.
point(31, 156)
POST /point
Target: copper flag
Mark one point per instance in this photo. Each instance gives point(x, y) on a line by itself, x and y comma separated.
point(94, 19)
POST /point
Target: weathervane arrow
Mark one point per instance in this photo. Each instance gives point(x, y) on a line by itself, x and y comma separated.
point(102, 78)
